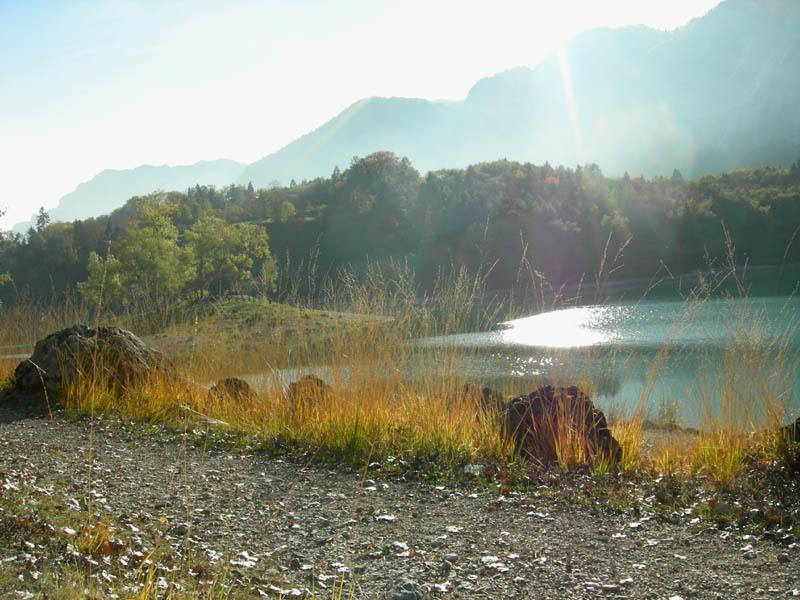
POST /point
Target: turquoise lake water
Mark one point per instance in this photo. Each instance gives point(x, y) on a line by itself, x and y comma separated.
point(675, 358)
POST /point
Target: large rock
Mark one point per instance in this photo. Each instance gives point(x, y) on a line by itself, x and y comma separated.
point(538, 421)
point(307, 393)
point(115, 355)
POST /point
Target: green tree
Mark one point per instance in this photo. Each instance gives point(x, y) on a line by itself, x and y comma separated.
point(261, 205)
point(287, 211)
point(48, 261)
point(153, 267)
point(104, 285)
point(223, 256)
point(4, 277)
point(368, 213)
point(42, 219)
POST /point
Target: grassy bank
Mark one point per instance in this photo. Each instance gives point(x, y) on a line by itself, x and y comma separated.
point(389, 397)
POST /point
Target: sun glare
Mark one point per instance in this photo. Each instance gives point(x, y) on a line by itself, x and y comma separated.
point(566, 80)
point(568, 328)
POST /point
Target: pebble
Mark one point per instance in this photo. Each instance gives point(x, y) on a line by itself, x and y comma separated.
point(405, 588)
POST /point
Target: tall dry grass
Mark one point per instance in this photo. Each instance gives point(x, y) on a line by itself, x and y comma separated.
point(389, 397)
point(746, 373)
point(392, 396)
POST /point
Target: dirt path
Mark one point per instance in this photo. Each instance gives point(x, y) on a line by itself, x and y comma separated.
point(290, 527)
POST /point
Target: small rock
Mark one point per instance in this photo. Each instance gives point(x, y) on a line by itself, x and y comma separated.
point(405, 588)
point(388, 518)
point(232, 388)
point(307, 393)
point(443, 588)
point(474, 470)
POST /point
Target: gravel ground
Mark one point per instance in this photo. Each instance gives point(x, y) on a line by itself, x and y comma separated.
point(288, 527)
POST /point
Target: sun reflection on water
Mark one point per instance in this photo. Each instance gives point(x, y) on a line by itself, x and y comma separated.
point(567, 328)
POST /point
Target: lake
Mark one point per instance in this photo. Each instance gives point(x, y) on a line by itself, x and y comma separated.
point(674, 358)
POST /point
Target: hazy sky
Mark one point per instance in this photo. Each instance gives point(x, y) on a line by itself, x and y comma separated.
point(87, 85)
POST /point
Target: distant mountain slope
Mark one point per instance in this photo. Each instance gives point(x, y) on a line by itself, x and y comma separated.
point(111, 188)
point(718, 94)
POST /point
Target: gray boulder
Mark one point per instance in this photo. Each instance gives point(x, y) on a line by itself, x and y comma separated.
point(114, 355)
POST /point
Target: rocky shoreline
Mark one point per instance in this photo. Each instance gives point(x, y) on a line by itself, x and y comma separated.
point(286, 527)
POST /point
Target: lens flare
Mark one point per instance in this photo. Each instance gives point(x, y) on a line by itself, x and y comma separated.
point(566, 80)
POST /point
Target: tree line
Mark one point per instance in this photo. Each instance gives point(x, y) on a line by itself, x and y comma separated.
point(501, 217)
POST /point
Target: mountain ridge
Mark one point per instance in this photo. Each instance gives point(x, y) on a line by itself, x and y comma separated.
point(715, 95)
point(646, 101)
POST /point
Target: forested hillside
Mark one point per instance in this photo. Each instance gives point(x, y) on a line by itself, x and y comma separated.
point(566, 224)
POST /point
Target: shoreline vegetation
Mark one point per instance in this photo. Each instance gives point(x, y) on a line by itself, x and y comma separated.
point(387, 398)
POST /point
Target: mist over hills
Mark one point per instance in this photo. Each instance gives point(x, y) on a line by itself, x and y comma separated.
point(110, 188)
point(715, 95)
